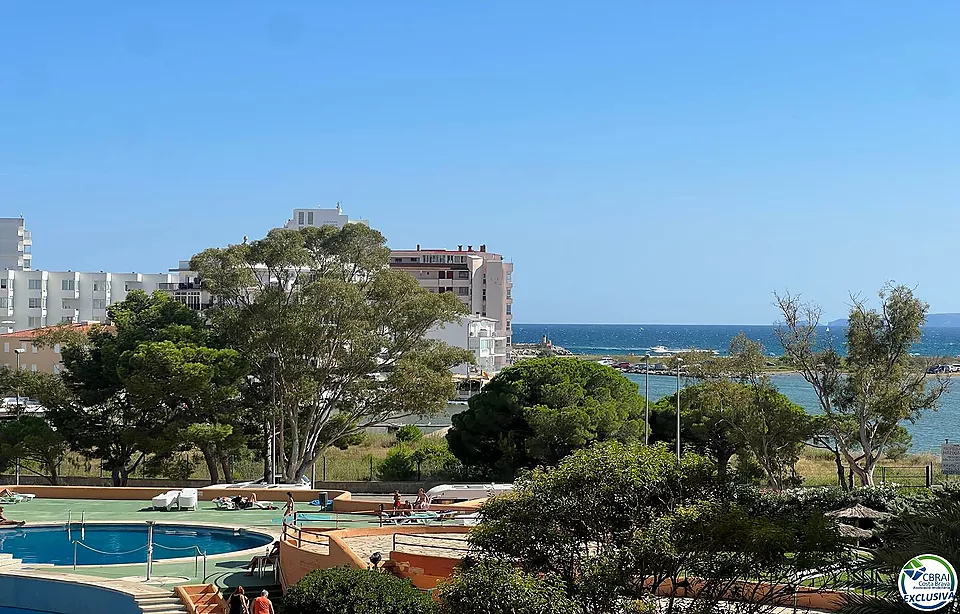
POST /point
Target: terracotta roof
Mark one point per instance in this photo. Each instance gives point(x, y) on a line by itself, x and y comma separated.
point(33, 332)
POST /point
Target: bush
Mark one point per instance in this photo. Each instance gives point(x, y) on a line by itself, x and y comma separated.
point(398, 466)
point(501, 588)
point(409, 433)
point(354, 591)
point(436, 460)
point(803, 501)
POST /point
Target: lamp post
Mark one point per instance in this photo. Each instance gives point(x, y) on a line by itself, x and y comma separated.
point(18, 351)
point(679, 361)
point(646, 400)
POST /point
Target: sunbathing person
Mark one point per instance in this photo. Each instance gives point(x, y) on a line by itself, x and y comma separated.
point(259, 560)
point(6, 522)
point(6, 492)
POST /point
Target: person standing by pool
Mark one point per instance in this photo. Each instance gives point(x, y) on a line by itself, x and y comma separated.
point(396, 500)
point(6, 522)
point(289, 508)
point(239, 604)
point(262, 604)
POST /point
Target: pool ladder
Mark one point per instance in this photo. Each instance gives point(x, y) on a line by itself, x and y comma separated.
point(83, 524)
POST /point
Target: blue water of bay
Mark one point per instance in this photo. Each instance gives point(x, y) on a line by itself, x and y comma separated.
point(928, 432)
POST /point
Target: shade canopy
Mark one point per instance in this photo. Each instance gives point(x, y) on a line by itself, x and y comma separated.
point(858, 511)
point(853, 532)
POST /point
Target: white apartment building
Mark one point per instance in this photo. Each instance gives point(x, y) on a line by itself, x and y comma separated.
point(479, 335)
point(33, 299)
point(481, 279)
point(302, 218)
point(15, 245)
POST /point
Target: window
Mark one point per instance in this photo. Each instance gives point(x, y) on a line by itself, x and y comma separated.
point(65, 305)
point(63, 320)
point(484, 294)
point(33, 348)
point(56, 368)
point(463, 274)
point(35, 284)
point(6, 348)
point(56, 346)
point(3, 283)
point(509, 277)
point(33, 303)
point(97, 286)
point(508, 313)
point(309, 218)
point(99, 303)
point(34, 322)
point(67, 284)
point(449, 274)
point(33, 368)
point(463, 291)
point(3, 301)
point(300, 218)
point(126, 286)
point(441, 290)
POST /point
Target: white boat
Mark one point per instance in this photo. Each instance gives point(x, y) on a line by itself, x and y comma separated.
point(659, 349)
point(465, 492)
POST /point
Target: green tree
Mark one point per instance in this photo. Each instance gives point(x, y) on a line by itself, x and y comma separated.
point(866, 397)
point(397, 466)
point(629, 520)
point(319, 312)
point(342, 590)
point(30, 438)
point(100, 417)
point(706, 426)
point(541, 410)
point(408, 433)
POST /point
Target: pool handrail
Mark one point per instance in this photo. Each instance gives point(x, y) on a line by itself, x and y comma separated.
point(196, 557)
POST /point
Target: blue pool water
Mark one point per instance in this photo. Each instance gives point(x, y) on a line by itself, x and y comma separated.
point(123, 543)
point(4, 610)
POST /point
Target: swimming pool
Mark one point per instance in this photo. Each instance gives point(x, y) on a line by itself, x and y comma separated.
point(109, 544)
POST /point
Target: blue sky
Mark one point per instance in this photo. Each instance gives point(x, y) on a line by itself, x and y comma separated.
point(639, 162)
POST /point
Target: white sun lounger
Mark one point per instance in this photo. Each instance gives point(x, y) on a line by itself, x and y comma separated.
point(187, 499)
point(166, 501)
point(16, 498)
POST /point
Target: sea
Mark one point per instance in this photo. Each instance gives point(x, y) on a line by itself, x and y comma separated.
point(929, 432)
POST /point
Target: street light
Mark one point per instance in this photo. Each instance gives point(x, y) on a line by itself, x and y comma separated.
point(679, 360)
point(18, 351)
point(646, 400)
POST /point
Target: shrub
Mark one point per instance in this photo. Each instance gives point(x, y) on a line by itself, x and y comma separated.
point(501, 588)
point(354, 591)
point(408, 433)
point(398, 466)
point(435, 460)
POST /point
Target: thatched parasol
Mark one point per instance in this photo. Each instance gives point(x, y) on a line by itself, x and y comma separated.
point(852, 532)
point(858, 512)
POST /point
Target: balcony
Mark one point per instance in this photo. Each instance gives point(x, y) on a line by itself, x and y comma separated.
point(183, 285)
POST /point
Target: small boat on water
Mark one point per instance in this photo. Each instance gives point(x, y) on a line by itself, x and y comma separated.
point(659, 349)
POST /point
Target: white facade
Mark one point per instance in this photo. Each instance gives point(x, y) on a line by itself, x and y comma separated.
point(33, 299)
point(15, 245)
point(477, 334)
point(304, 218)
point(482, 280)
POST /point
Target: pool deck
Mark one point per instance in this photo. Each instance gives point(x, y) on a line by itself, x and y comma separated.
point(224, 570)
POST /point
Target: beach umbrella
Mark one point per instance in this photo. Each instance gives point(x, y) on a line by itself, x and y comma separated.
point(858, 512)
point(852, 532)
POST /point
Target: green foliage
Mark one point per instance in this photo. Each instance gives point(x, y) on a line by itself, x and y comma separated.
point(398, 466)
point(435, 460)
point(541, 410)
point(132, 389)
point(804, 501)
point(408, 433)
point(866, 397)
point(354, 591)
point(30, 438)
point(490, 587)
point(320, 310)
point(627, 518)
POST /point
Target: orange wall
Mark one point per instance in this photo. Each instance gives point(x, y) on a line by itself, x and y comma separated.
point(144, 494)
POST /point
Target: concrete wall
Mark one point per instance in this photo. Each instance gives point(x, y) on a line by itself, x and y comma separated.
point(62, 597)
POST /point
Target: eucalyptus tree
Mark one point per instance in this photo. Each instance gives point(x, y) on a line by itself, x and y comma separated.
point(869, 394)
point(334, 334)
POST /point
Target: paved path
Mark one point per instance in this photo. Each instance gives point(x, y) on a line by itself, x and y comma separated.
point(363, 547)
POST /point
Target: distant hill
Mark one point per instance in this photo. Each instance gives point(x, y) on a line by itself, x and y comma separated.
point(934, 320)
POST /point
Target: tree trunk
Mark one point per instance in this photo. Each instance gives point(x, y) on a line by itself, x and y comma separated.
point(225, 465)
point(723, 460)
point(211, 460)
point(54, 476)
point(115, 474)
point(841, 482)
